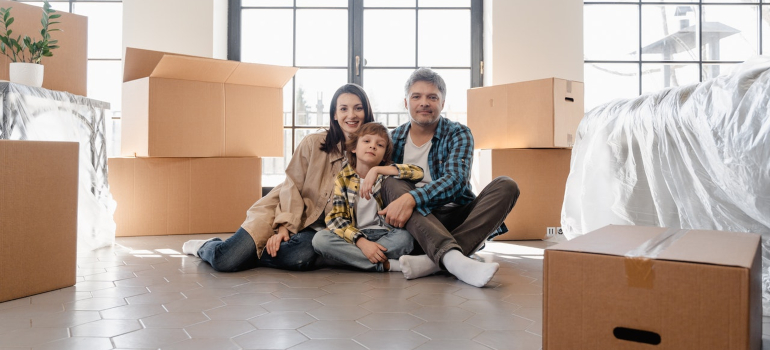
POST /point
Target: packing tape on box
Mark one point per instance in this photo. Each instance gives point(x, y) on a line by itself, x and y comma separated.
point(639, 261)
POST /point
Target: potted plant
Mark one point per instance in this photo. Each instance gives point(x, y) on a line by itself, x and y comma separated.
point(26, 53)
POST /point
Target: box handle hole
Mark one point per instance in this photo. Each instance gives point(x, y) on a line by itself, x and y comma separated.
point(569, 99)
point(636, 335)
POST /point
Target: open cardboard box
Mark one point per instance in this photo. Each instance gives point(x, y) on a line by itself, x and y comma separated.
point(636, 287)
point(38, 216)
point(541, 113)
point(184, 106)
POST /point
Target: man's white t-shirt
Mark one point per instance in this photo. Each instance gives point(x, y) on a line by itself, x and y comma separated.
point(418, 156)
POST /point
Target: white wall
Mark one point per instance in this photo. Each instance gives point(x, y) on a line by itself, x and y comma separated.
point(532, 39)
point(191, 27)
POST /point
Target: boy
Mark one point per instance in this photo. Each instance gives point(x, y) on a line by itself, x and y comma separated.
point(356, 234)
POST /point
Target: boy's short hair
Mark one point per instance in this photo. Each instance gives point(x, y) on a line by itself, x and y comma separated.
point(373, 128)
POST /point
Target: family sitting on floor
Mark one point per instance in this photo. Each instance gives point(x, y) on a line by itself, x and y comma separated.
point(355, 195)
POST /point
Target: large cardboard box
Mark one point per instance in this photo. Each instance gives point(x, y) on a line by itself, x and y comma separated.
point(635, 287)
point(38, 216)
point(542, 177)
point(184, 106)
point(162, 196)
point(67, 69)
point(532, 114)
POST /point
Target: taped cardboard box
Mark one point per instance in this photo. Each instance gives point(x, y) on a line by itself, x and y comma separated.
point(67, 69)
point(541, 113)
point(164, 196)
point(635, 287)
point(185, 106)
point(541, 175)
point(38, 216)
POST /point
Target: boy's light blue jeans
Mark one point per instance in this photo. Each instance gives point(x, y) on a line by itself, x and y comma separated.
point(331, 246)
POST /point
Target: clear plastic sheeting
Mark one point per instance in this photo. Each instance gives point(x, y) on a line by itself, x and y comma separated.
point(690, 157)
point(38, 114)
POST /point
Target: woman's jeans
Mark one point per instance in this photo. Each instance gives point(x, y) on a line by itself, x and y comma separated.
point(239, 253)
point(331, 246)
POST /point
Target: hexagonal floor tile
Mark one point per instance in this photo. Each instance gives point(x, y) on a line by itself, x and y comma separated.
point(390, 321)
point(332, 329)
point(282, 320)
point(105, 328)
point(174, 319)
point(219, 329)
point(150, 338)
point(391, 339)
point(270, 339)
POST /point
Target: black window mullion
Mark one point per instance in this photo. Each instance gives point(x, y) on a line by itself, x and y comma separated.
point(356, 42)
point(234, 30)
point(477, 42)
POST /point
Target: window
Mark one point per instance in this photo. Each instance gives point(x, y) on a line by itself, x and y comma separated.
point(105, 77)
point(374, 43)
point(635, 47)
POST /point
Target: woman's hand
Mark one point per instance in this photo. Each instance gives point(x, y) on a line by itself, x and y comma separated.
point(368, 182)
point(373, 250)
point(274, 242)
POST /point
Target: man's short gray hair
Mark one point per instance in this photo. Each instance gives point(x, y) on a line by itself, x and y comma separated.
point(427, 75)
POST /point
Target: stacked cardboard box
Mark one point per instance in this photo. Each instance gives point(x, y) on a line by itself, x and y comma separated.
point(38, 216)
point(66, 69)
point(193, 130)
point(525, 131)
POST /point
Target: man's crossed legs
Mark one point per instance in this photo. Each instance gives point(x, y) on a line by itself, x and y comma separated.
point(450, 233)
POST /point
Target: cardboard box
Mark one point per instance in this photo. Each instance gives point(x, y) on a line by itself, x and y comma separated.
point(532, 114)
point(164, 196)
point(542, 177)
point(184, 106)
point(698, 290)
point(67, 69)
point(38, 217)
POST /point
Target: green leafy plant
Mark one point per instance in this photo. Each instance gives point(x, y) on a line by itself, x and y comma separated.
point(28, 49)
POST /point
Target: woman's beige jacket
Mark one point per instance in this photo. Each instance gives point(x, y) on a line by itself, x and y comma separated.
point(302, 198)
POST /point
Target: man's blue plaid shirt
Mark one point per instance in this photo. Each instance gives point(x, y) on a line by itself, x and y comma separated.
point(450, 160)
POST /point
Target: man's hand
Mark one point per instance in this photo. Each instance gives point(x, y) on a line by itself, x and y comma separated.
point(274, 242)
point(399, 211)
point(373, 250)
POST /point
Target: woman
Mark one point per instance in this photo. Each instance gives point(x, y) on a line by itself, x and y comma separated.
point(279, 228)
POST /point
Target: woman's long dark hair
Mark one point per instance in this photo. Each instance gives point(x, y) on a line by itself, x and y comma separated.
point(335, 136)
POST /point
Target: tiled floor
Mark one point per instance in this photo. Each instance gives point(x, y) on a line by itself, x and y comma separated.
point(144, 294)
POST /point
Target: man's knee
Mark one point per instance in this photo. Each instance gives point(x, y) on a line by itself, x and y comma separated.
point(506, 185)
point(393, 188)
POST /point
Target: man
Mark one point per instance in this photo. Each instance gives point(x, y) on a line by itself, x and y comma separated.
point(444, 216)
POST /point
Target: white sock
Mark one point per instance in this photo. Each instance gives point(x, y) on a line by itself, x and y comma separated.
point(468, 270)
point(395, 266)
point(192, 246)
point(416, 266)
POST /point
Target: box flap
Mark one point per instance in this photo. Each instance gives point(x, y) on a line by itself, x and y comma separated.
point(141, 63)
point(262, 75)
point(147, 63)
point(138, 63)
point(698, 246)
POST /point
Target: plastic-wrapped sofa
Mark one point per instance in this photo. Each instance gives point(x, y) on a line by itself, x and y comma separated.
point(690, 157)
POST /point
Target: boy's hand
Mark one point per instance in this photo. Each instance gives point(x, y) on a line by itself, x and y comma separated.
point(367, 183)
point(372, 250)
point(274, 242)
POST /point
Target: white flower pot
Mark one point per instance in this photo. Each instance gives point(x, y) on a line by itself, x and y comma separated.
point(26, 73)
